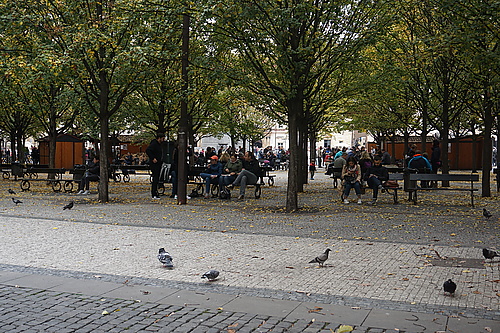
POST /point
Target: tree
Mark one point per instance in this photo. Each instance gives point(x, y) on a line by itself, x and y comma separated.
point(289, 48)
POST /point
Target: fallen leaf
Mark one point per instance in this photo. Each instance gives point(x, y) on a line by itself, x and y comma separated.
point(344, 329)
point(316, 309)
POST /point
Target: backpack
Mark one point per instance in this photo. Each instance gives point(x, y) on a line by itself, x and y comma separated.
point(194, 193)
point(225, 193)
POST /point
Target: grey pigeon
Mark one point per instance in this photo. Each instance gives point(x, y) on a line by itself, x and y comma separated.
point(449, 287)
point(165, 258)
point(321, 258)
point(211, 275)
point(16, 201)
point(490, 254)
point(487, 213)
point(11, 191)
point(69, 206)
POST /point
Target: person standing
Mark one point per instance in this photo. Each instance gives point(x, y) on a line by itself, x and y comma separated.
point(319, 156)
point(35, 155)
point(312, 169)
point(155, 152)
point(435, 160)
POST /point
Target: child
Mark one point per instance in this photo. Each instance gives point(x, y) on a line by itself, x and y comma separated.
point(312, 169)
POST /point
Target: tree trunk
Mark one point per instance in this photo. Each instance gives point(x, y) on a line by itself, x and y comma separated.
point(294, 108)
point(20, 149)
point(302, 158)
point(13, 153)
point(487, 146)
point(103, 156)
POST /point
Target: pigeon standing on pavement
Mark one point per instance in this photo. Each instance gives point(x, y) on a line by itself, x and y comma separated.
point(16, 201)
point(321, 258)
point(69, 206)
point(211, 275)
point(165, 258)
point(449, 287)
point(11, 191)
point(490, 254)
point(487, 213)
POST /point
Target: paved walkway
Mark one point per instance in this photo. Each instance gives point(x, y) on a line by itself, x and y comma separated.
point(76, 264)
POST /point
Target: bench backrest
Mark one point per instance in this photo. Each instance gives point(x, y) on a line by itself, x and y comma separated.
point(396, 176)
point(443, 177)
point(45, 170)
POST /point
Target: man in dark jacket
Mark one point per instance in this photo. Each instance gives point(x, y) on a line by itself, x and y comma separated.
point(248, 176)
point(92, 173)
point(375, 176)
point(155, 152)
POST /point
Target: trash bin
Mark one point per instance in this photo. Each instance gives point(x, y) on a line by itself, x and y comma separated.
point(17, 169)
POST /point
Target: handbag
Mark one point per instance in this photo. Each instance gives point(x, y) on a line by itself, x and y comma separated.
point(391, 183)
point(350, 179)
point(225, 193)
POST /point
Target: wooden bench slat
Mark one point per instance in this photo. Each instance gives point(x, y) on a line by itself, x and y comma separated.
point(443, 177)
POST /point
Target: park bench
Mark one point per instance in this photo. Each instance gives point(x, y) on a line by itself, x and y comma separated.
point(33, 176)
point(395, 173)
point(265, 173)
point(6, 170)
point(123, 172)
point(391, 190)
point(412, 188)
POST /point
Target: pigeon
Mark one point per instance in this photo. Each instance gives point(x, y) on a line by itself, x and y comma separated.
point(321, 258)
point(490, 254)
point(165, 258)
point(211, 275)
point(16, 201)
point(449, 287)
point(69, 206)
point(11, 191)
point(487, 213)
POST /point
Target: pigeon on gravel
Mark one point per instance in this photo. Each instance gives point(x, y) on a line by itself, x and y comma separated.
point(449, 287)
point(211, 275)
point(165, 258)
point(11, 191)
point(321, 258)
point(490, 254)
point(16, 201)
point(487, 213)
point(69, 206)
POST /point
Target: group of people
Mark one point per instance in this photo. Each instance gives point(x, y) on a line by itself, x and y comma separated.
point(371, 170)
point(235, 172)
point(228, 169)
point(353, 173)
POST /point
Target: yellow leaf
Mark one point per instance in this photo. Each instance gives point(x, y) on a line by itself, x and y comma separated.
point(344, 329)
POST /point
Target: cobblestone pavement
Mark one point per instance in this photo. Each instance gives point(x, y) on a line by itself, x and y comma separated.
point(388, 258)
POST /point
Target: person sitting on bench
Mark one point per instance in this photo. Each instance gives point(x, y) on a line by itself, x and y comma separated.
point(211, 174)
point(92, 173)
point(248, 176)
point(420, 163)
point(375, 176)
